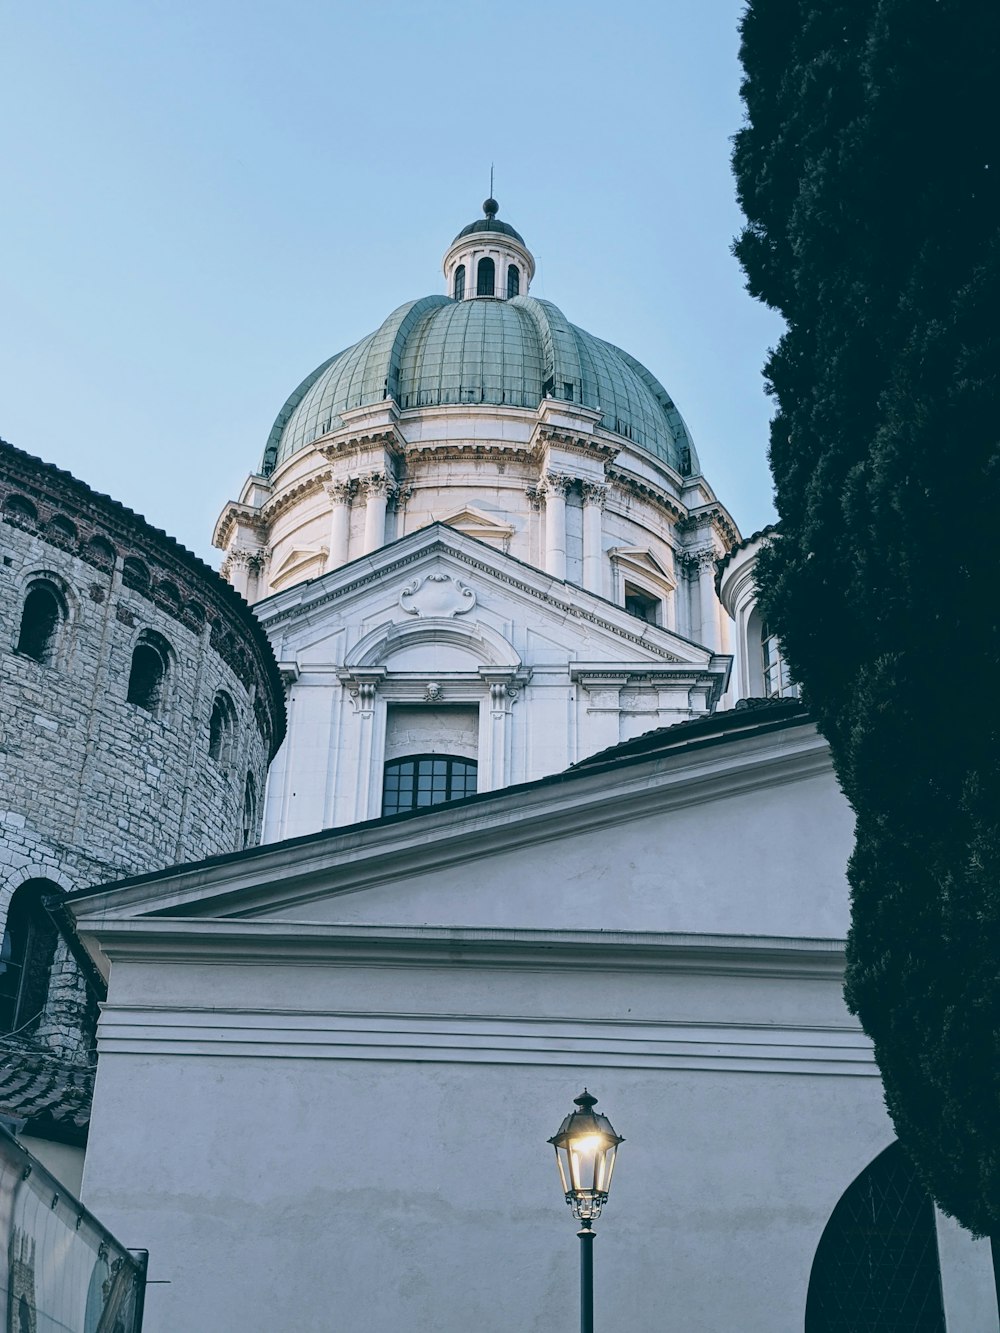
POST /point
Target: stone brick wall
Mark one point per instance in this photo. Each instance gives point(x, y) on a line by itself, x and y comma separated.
point(94, 787)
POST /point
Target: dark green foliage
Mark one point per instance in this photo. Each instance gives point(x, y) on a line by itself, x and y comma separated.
point(868, 173)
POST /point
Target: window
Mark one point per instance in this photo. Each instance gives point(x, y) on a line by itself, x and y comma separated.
point(568, 390)
point(135, 574)
point(426, 779)
point(148, 677)
point(249, 811)
point(641, 604)
point(460, 282)
point(513, 280)
point(778, 683)
point(26, 954)
point(486, 275)
point(43, 613)
point(222, 729)
point(20, 511)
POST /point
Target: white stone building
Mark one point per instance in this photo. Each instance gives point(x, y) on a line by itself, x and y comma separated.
point(481, 546)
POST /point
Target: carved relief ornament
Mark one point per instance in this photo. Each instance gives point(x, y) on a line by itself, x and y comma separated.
point(437, 596)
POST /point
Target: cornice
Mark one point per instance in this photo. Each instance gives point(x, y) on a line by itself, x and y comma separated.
point(290, 495)
point(180, 938)
point(644, 489)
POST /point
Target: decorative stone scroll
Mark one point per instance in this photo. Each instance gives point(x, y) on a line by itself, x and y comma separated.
point(437, 596)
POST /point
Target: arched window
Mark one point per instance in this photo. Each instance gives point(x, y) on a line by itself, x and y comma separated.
point(460, 282)
point(486, 277)
point(222, 729)
point(61, 531)
point(99, 552)
point(513, 280)
point(148, 676)
point(135, 574)
point(249, 811)
point(20, 511)
point(26, 953)
point(426, 779)
point(778, 683)
point(42, 615)
point(876, 1268)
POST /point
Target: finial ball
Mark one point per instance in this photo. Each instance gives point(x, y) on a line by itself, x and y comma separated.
point(491, 208)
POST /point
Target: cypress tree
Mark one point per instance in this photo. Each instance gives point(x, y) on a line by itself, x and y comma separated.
point(868, 174)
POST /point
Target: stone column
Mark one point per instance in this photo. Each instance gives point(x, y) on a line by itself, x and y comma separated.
point(376, 488)
point(555, 487)
point(340, 493)
point(238, 569)
point(594, 496)
point(709, 633)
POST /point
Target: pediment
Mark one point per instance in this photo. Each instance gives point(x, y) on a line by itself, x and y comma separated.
point(297, 562)
point(483, 527)
point(641, 560)
point(443, 575)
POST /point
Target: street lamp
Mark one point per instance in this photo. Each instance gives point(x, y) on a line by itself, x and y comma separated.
point(585, 1152)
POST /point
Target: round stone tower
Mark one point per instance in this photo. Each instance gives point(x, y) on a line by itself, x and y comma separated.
point(141, 706)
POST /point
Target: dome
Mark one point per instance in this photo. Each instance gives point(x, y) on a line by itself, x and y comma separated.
point(506, 353)
point(490, 224)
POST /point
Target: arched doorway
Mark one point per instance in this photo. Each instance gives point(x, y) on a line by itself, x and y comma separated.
point(876, 1268)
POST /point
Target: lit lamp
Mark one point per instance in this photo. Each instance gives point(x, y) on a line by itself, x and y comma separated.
point(586, 1146)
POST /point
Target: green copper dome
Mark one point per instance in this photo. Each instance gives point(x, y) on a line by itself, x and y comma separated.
point(436, 351)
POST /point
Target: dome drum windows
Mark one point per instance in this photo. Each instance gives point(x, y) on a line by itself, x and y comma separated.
point(513, 281)
point(459, 287)
point(149, 674)
point(642, 604)
point(43, 616)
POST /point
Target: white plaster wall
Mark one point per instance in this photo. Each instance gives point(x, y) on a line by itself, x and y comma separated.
point(376, 1194)
point(768, 861)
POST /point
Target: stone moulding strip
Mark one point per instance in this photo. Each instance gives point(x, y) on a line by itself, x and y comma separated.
point(459, 1039)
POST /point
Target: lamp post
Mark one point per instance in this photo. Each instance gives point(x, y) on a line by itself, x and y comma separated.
point(586, 1146)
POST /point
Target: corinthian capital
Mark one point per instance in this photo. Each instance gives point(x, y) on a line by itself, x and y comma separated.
point(378, 484)
point(341, 492)
point(595, 493)
point(556, 483)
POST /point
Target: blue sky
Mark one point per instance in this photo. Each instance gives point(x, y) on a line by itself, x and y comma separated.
point(203, 201)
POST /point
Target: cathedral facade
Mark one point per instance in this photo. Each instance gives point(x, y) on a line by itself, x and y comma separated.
point(548, 814)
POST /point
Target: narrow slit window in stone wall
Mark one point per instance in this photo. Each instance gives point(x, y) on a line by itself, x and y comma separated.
point(148, 676)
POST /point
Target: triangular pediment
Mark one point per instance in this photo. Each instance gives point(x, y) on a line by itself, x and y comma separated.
point(300, 562)
point(641, 560)
point(445, 576)
point(484, 527)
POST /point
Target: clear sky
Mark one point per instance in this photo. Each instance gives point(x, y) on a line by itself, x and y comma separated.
point(204, 199)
